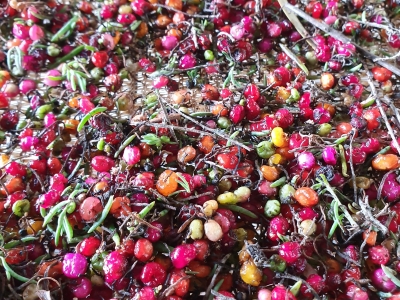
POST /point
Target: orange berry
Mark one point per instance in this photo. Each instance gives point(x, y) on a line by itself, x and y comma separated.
point(206, 144)
point(270, 173)
point(142, 30)
point(386, 162)
point(370, 237)
point(306, 196)
point(219, 110)
point(71, 125)
point(120, 207)
point(167, 183)
point(327, 81)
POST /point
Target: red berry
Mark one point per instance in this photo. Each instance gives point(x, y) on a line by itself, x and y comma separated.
point(237, 114)
point(252, 110)
point(227, 160)
point(15, 169)
point(379, 255)
point(153, 274)
point(252, 92)
point(143, 250)
point(100, 59)
point(290, 252)
point(181, 288)
point(88, 246)
point(114, 267)
point(284, 117)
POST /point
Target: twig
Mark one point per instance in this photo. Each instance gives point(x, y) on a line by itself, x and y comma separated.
point(172, 286)
point(214, 278)
point(182, 12)
point(337, 35)
point(216, 132)
point(296, 23)
point(387, 58)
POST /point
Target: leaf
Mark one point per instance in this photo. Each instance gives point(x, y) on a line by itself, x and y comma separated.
point(296, 23)
point(183, 182)
point(43, 294)
point(391, 274)
point(295, 58)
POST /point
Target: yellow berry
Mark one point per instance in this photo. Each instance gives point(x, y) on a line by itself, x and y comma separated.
point(279, 138)
point(250, 274)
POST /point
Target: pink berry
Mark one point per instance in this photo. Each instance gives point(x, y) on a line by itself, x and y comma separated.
point(102, 163)
point(290, 252)
point(187, 61)
point(74, 265)
point(282, 293)
point(284, 117)
point(329, 155)
point(182, 255)
point(80, 287)
point(16, 169)
point(278, 225)
point(131, 155)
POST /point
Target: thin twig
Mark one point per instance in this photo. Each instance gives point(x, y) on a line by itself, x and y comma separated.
point(214, 278)
point(337, 35)
point(182, 12)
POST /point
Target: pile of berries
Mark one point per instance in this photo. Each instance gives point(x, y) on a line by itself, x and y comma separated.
point(223, 149)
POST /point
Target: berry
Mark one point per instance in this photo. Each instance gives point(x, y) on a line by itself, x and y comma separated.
point(114, 266)
point(153, 274)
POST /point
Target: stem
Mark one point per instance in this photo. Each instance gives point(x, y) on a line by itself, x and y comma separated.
point(339, 36)
point(103, 215)
point(69, 26)
point(67, 57)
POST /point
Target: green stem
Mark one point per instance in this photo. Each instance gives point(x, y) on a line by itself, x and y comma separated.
point(69, 26)
point(240, 210)
point(53, 211)
point(90, 114)
point(143, 213)
point(124, 145)
point(103, 215)
point(67, 57)
point(343, 161)
point(10, 272)
point(60, 225)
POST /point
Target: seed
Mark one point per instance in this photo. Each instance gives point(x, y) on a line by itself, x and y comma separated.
point(213, 230)
point(327, 81)
point(210, 207)
point(196, 229)
point(308, 227)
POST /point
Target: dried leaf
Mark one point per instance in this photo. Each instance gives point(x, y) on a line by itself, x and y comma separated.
point(43, 295)
point(296, 23)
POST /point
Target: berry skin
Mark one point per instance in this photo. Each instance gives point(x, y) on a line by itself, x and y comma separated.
point(237, 114)
point(290, 252)
point(143, 250)
point(88, 246)
point(100, 59)
point(379, 255)
point(306, 196)
point(114, 266)
point(153, 274)
point(284, 117)
point(74, 265)
point(252, 92)
point(181, 288)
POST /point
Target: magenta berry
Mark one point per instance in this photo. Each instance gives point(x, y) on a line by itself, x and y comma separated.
point(102, 163)
point(16, 169)
point(278, 225)
point(381, 281)
point(284, 117)
point(182, 255)
point(80, 287)
point(329, 155)
point(306, 160)
point(290, 252)
point(74, 265)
